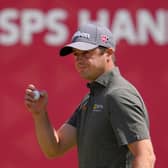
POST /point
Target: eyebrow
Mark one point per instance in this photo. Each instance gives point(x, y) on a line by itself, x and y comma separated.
point(79, 52)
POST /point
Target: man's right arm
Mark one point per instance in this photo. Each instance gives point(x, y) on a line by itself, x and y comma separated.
point(53, 143)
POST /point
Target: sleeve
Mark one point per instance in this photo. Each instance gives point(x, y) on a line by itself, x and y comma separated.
point(128, 116)
point(73, 119)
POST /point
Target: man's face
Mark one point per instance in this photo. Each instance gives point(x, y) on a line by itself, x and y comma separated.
point(90, 64)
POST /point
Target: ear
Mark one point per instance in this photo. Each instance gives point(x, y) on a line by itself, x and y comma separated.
point(109, 53)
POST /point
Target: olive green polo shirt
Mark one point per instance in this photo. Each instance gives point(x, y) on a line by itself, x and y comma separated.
point(111, 116)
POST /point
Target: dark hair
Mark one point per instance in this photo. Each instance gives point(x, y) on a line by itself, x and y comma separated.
point(103, 50)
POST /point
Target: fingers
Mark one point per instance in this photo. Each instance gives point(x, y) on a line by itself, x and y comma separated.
point(34, 105)
point(29, 95)
point(31, 87)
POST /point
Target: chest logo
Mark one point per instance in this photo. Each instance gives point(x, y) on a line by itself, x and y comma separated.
point(97, 107)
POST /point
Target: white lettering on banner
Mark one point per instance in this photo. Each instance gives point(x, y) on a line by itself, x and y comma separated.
point(21, 26)
point(103, 17)
point(10, 29)
point(123, 27)
point(32, 22)
point(146, 26)
point(59, 32)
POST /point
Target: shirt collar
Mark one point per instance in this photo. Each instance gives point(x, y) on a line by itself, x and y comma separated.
point(105, 78)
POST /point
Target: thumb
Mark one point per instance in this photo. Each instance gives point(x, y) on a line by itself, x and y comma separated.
point(43, 93)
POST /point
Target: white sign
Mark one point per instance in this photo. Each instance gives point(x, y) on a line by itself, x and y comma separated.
point(21, 26)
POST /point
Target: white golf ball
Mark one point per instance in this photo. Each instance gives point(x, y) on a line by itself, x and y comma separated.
point(36, 94)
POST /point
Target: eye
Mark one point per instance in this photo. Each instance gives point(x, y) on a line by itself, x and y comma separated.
point(83, 54)
point(74, 53)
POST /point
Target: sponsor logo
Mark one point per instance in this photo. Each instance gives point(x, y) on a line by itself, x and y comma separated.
point(81, 34)
point(104, 38)
point(84, 108)
point(97, 107)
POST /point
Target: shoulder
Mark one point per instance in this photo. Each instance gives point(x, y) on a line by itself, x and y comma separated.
point(125, 99)
point(120, 89)
point(123, 93)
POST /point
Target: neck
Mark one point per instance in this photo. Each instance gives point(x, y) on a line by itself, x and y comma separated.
point(110, 68)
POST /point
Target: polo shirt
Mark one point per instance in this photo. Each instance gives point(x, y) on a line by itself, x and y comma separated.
point(110, 116)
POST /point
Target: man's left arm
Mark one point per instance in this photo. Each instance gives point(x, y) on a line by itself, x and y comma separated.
point(144, 156)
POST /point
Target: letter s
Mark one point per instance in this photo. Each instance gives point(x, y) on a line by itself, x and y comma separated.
point(59, 32)
point(10, 31)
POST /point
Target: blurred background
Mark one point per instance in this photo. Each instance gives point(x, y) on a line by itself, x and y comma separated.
point(31, 34)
